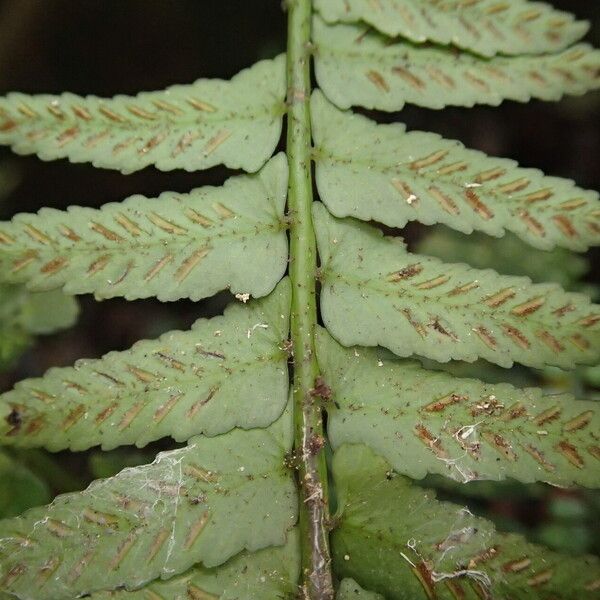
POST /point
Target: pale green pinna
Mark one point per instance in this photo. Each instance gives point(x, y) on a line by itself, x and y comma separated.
point(242, 511)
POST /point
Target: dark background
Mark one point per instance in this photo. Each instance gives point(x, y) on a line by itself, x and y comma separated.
point(105, 47)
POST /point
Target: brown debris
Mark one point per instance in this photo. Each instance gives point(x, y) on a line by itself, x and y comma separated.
point(315, 444)
point(405, 273)
point(440, 404)
point(433, 443)
point(321, 390)
point(500, 444)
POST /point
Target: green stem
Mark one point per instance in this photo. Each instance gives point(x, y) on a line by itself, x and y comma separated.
point(308, 415)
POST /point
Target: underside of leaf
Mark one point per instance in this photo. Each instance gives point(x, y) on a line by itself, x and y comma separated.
point(269, 573)
point(382, 173)
point(174, 246)
point(487, 27)
point(431, 422)
point(203, 503)
point(374, 292)
point(225, 372)
point(236, 123)
point(397, 539)
point(357, 67)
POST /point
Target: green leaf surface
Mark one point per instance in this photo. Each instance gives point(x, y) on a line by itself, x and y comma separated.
point(505, 255)
point(21, 488)
point(357, 67)
point(397, 539)
point(350, 590)
point(236, 123)
point(431, 422)
point(487, 27)
point(374, 292)
point(228, 371)
point(269, 574)
point(174, 246)
point(24, 314)
point(203, 503)
point(383, 173)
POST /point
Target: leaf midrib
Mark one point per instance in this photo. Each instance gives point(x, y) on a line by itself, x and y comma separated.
point(84, 246)
point(361, 283)
point(185, 379)
point(130, 126)
point(429, 177)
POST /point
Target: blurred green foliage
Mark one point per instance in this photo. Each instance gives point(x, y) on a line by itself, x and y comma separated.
point(24, 314)
point(507, 255)
point(21, 488)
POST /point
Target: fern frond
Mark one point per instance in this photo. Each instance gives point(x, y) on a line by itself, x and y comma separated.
point(269, 573)
point(24, 314)
point(225, 372)
point(505, 255)
point(487, 27)
point(374, 292)
point(431, 422)
point(382, 173)
point(174, 246)
point(397, 539)
point(203, 503)
point(236, 123)
point(354, 66)
point(350, 590)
